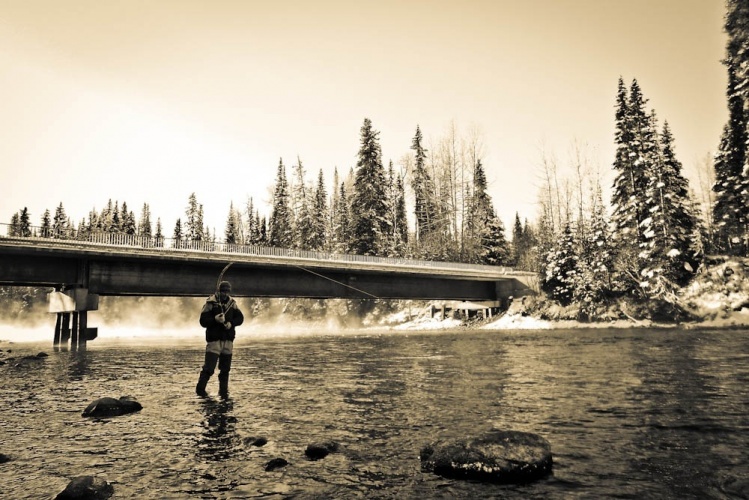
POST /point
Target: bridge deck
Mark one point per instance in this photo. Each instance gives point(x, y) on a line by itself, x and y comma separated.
point(137, 267)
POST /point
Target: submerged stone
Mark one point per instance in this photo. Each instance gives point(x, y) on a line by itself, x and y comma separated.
point(111, 407)
point(497, 456)
point(86, 488)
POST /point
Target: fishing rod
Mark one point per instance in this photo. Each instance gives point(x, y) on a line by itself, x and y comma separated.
point(221, 276)
point(336, 281)
point(218, 284)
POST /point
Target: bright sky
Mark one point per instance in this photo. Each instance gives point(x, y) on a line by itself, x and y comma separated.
point(152, 100)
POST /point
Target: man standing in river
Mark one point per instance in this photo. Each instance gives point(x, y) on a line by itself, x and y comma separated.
point(220, 316)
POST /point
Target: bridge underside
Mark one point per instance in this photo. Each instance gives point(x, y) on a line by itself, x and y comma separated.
point(118, 275)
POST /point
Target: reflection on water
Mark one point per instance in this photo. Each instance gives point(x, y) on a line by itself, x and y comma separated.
point(654, 414)
point(219, 436)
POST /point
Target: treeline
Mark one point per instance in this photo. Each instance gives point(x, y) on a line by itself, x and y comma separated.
point(365, 214)
point(656, 236)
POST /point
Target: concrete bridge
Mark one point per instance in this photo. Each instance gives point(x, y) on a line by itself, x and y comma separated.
point(119, 264)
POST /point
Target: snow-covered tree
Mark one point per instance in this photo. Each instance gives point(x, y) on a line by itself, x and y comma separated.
point(560, 270)
point(731, 210)
point(369, 208)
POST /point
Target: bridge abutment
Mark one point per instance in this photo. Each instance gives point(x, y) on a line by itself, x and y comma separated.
point(72, 304)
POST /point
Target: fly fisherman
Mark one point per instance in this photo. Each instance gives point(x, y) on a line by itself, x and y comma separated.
point(220, 315)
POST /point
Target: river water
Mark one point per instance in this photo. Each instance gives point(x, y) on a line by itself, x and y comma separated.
point(628, 413)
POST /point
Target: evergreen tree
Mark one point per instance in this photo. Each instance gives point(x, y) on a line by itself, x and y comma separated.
point(144, 225)
point(595, 263)
point(342, 222)
point(116, 225)
point(25, 223)
point(485, 233)
point(15, 225)
point(46, 225)
point(59, 223)
point(671, 224)
point(301, 209)
point(178, 235)
point(560, 271)
point(232, 223)
point(280, 224)
point(369, 213)
point(400, 222)
point(159, 236)
point(319, 216)
point(128, 220)
point(518, 245)
point(495, 251)
point(730, 212)
point(425, 208)
point(193, 230)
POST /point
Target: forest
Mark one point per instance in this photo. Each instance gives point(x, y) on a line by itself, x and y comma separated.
point(642, 247)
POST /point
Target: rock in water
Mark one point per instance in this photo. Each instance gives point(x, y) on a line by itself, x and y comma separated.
point(497, 456)
point(316, 451)
point(110, 407)
point(276, 463)
point(86, 488)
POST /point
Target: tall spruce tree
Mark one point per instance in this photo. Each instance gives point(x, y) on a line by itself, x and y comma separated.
point(46, 225)
point(319, 216)
point(730, 212)
point(341, 222)
point(400, 220)
point(422, 185)
point(144, 224)
point(59, 223)
point(232, 226)
point(178, 235)
point(370, 223)
point(301, 208)
point(280, 225)
point(24, 221)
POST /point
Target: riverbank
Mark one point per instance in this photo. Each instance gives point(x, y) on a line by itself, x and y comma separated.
point(718, 297)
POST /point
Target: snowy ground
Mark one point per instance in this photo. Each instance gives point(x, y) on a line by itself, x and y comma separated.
point(719, 295)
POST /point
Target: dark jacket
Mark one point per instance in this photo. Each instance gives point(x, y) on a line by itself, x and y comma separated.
point(215, 330)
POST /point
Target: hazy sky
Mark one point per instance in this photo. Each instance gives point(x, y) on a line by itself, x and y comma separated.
point(152, 100)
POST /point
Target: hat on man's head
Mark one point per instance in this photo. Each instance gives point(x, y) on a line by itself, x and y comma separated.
point(224, 286)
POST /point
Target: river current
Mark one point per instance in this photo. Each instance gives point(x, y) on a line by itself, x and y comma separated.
point(628, 413)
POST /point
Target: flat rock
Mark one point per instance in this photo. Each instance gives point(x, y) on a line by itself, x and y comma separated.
point(497, 456)
point(86, 488)
point(111, 407)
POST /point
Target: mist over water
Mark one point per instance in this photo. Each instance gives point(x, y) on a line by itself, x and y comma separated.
point(628, 413)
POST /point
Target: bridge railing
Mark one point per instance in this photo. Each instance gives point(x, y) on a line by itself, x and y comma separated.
point(152, 243)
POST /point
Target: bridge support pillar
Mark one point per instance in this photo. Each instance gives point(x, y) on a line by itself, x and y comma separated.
point(65, 333)
point(77, 302)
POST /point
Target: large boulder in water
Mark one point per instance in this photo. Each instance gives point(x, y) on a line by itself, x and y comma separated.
point(111, 407)
point(316, 451)
point(497, 456)
point(86, 488)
